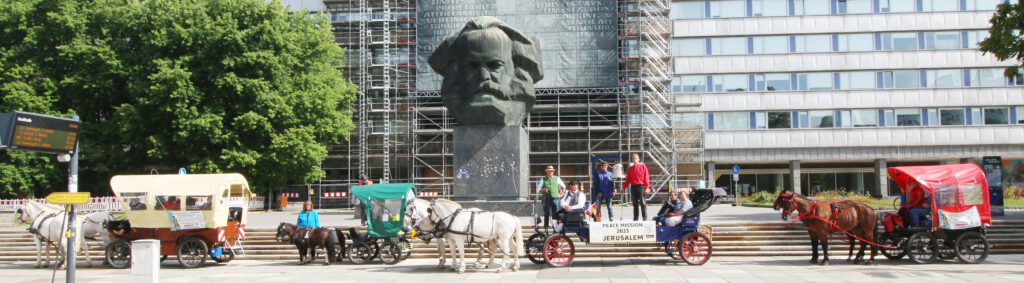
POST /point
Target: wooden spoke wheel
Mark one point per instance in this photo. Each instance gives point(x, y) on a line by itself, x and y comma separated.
point(192, 252)
point(898, 244)
point(360, 253)
point(971, 247)
point(535, 248)
point(406, 247)
point(695, 248)
point(390, 253)
point(922, 247)
point(946, 250)
point(558, 250)
point(119, 254)
point(672, 249)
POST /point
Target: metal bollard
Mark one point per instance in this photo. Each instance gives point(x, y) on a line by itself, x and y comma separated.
point(145, 261)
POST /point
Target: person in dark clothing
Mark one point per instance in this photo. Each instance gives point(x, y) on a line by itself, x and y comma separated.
point(603, 189)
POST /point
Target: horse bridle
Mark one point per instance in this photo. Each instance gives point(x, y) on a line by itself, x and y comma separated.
point(440, 228)
point(786, 199)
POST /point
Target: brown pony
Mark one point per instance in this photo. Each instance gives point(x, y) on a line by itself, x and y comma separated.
point(325, 238)
point(850, 216)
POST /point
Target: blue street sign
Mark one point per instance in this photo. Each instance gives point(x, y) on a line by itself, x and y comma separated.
point(735, 169)
point(182, 171)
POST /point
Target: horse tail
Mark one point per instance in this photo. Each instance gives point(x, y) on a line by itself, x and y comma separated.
point(518, 238)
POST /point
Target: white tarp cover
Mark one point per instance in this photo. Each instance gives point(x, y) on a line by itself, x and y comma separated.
point(208, 193)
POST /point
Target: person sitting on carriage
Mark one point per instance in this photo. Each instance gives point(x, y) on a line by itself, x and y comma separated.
point(308, 218)
point(572, 202)
point(918, 206)
point(671, 213)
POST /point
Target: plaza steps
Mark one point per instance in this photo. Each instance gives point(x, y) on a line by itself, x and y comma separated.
point(729, 239)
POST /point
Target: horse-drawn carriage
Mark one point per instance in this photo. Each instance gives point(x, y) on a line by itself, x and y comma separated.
point(956, 197)
point(386, 238)
point(193, 216)
point(685, 241)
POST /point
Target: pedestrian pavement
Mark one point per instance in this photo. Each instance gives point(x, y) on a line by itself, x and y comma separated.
point(998, 268)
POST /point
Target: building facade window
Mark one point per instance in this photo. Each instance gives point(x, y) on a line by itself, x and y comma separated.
point(952, 117)
point(732, 120)
point(813, 43)
point(728, 8)
point(811, 7)
point(688, 47)
point(771, 44)
point(982, 5)
point(857, 80)
point(987, 77)
point(976, 36)
point(902, 79)
point(854, 6)
point(814, 81)
point(897, 6)
point(908, 117)
point(996, 116)
point(940, 5)
point(773, 82)
point(944, 78)
point(770, 8)
point(864, 118)
point(942, 40)
point(899, 41)
point(687, 10)
point(856, 42)
point(728, 45)
point(1020, 115)
point(730, 83)
point(690, 84)
point(780, 120)
point(822, 119)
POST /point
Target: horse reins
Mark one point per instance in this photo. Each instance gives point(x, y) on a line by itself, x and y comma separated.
point(810, 215)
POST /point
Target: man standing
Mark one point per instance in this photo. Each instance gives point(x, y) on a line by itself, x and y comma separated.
point(604, 188)
point(550, 187)
point(638, 180)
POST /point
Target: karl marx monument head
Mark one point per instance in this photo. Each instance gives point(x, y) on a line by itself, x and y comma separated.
point(489, 70)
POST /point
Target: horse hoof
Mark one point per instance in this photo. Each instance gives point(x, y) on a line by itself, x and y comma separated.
point(856, 261)
point(813, 261)
point(824, 263)
point(869, 262)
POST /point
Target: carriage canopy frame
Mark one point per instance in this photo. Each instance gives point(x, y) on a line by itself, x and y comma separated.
point(956, 188)
point(148, 200)
point(384, 207)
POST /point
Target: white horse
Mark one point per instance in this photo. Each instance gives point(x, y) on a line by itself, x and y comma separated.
point(94, 227)
point(48, 226)
point(417, 210)
point(460, 226)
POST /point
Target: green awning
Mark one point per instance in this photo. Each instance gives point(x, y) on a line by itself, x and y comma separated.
point(384, 206)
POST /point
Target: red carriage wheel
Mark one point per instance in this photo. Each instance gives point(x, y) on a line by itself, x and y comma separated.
point(559, 250)
point(695, 248)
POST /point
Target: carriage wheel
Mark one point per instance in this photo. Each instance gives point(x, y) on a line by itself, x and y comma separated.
point(535, 248)
point(192, 252)
point(922, 247)
point(390, 253)
point(406, 247)
point(898, 243)
point(360, 253)
point(972, 247)
point(119, 254)
point(559, 250)
point(695, 248)
point(672, 249)
point(946, 250)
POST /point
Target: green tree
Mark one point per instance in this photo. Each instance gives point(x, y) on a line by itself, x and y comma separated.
point(211, 85)
point(1005, 40)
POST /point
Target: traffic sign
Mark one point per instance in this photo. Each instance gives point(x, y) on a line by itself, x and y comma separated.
point(68, 198)
point(735, 177)
point(735, 169)
point(182, 171)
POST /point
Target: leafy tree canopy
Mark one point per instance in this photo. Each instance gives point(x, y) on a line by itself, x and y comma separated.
point(211, 85)
point(1005, 40)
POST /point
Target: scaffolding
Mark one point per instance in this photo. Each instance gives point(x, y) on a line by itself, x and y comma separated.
point(405, 134)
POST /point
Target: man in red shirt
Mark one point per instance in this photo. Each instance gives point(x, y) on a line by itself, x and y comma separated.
point(638, 180)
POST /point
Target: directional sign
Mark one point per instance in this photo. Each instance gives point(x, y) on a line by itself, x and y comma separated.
point(68, 198)
point(735, 169)
point(182, 171)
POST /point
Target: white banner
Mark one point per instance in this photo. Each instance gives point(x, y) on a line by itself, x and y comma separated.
point(188, 220)
point(623, 232)
point(959, 220)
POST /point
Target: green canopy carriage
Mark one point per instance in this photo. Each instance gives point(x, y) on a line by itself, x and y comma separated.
point(384, 207)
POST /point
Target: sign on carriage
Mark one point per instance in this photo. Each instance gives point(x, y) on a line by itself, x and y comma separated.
point(68, 198)
point(623, 232)
point(188, 220)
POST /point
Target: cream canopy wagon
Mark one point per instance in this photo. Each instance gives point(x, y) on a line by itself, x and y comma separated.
point(193, 216)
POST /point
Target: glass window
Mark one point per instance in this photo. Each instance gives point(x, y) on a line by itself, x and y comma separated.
point(760, 120)
point(974, 37)
point(728, 8)
point(198, 202)
point(168, 203)
point(942, 40)
point(732, 121)
point(952, 116)
point(940, 5)
point(822, 119)
point(857, 80)
point(730, 83)
point(899, 41)
point(864, 117)
point(814, 81)
point(728, 45)
point(944, 78)
point(987, 77)
point(1019, 78)
point(814, 43)
point(908, 117)
point(688, 47)
point(856, 42)
point(811, 7)
point(844, 119)
point(767, 8)
point(803, 119)
point(687, 10)
point(854, 6)
point(780, 120)
point(976, 116)
point(772, 82)
point(983, 5)
point(771, 44)
point(906, 79)
point(933, 116)
point(1020, 115)
point(136, 201)
point(997, 116)
point(890, 117)
point(690, 84)
point(897, 6)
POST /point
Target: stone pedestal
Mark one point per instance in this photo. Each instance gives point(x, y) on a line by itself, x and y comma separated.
point(491, 163)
